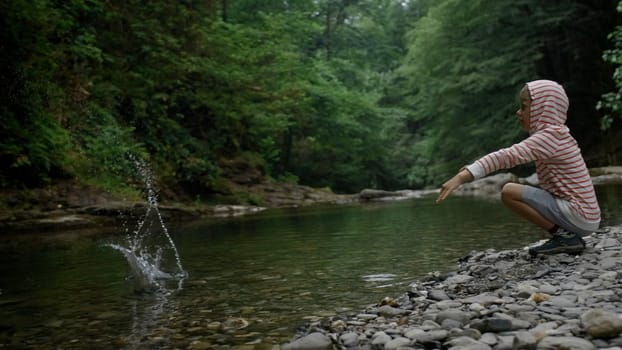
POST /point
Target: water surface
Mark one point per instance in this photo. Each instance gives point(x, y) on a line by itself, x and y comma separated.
point(252, 279)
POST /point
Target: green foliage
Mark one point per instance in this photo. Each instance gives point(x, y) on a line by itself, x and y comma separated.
point(255, 86)
point(338, 142)
point(465, 65)
point(109, 152)
point(29, 151)
point(611, 102)
point(345, 142)
point(33, 142)
point(325, 92)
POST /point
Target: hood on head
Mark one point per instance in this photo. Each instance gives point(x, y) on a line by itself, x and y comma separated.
point(549, 104)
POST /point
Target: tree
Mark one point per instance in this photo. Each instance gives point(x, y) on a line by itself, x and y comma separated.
point(346, 144)
point(611, 102)
point(332, 93)
point(42, 52)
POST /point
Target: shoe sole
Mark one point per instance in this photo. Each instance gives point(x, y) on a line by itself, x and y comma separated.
point(559, 250)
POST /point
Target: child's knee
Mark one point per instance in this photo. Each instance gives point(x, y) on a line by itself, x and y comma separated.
point(511, 191)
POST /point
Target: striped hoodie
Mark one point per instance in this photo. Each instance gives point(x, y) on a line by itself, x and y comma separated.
point(560, 167)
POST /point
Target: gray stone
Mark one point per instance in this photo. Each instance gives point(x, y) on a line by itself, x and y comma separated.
point(548, 309)
point(607, 243)
point(516, 323)
point(548, 289)
point(520, 324)
point(466, 345)
point(483, 299)
point(432, 336)
point(438, 294)
point(524, 341)
point(525, 289)
point(566, 343)
point(476, 307)
point(530, 316)
point(466, 332)
point(505, 342)
point(571, 327)
point(609, 276)
point(429, 315)
point(380, 338)
point(349, 339)
point(601, 324)
point(451, 324)
point(366, 316)
point(453, 314)
point(430, 325)
point(492, 324)
point(389, 311)
point(393, 331)
point(559, 302)
point(497, 324)
point(519, 307)
point(573, 312)
point(414, 333)
point(313, 341)
point(448, 304)
point(460, 342)
point(609, 263)
point(397, 343)
point(489, 338)
point(479, 324)
point(553, 317)
point(458, 279)
point(570, 296)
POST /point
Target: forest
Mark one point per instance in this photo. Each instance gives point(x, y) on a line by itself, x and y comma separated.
point(343, 94)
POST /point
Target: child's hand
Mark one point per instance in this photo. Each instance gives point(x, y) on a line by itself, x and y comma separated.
point(448, 187)
point(453, 183)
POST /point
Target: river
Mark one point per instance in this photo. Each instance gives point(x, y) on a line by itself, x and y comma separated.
point(251, 279)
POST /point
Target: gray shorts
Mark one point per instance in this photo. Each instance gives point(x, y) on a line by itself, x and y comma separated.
point(546, 204)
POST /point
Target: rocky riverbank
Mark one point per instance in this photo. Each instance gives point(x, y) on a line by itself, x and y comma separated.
point(497, 300)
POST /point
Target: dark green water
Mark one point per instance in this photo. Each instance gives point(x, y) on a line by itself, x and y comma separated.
point(275, 270)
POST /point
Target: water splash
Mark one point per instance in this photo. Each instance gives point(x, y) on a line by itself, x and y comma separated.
point(149, 246)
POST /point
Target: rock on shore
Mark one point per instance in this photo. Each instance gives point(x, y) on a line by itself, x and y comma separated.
point(497, 300)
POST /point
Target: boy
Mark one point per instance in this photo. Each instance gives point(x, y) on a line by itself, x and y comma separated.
point(565, 205)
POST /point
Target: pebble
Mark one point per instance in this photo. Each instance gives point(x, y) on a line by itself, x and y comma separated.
point(548, 302)
point(313, 341)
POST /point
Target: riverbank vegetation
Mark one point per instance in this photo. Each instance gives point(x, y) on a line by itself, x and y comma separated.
point(344, 94)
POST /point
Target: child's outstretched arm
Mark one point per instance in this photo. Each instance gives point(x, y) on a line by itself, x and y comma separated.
point(450, 185)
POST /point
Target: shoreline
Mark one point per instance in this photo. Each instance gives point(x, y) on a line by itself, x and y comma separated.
point(494, 300)
point(72, 206)
point(109, 213)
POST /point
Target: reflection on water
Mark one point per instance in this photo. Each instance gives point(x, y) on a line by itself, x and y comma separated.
point(610, 199)
point(149, 317)
point(251, 279)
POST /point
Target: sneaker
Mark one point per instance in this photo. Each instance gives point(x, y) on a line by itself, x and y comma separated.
point(559, 244)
